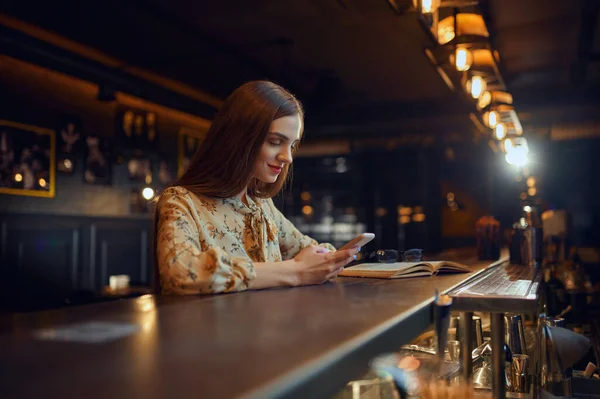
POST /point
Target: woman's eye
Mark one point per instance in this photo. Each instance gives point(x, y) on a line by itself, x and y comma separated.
point(275, 142)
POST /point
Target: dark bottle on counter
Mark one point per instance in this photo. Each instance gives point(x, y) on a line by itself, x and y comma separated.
point(534, 235)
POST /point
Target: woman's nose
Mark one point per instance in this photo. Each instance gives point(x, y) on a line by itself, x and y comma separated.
point(285, 156)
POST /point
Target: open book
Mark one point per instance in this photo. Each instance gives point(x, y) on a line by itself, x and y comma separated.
point(403, 269)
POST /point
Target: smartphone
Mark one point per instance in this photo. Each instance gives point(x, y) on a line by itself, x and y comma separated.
point(359, 240)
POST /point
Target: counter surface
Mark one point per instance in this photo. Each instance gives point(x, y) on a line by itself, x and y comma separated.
point(301, 342)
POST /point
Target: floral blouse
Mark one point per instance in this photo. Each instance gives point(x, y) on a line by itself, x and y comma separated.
point(208, 245)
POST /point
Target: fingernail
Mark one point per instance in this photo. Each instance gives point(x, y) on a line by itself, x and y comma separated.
point(354, 257)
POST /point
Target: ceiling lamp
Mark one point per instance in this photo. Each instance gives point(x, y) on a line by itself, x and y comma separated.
point(476, 86)
point(463, 59)
point(491, 118)
point(428, 6)
point(500, 131)
point(495, 97)
point(467, 24)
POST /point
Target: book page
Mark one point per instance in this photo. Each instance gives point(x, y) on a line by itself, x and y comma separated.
point(447, 265)
point(387, 267)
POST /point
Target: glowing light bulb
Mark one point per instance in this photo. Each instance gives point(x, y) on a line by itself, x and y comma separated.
point(42, 182)
point(428, 6)
point(484, 100)
point(527, 208)
point(148, 193)
point(491, 119)
point(500, 131)
point(18, 177)
point(463, 59)
point(517, 156)
point(476, 86)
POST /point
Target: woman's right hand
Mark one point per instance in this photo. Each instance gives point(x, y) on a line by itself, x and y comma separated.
point(314, 266)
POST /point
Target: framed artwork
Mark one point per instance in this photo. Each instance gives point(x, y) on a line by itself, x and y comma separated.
point(97, 163)
point(69, 142)
point(27, 160)
point(136, 129)
point(189, 142)
point(140, 169)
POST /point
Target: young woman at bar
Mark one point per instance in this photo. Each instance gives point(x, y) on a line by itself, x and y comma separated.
point(217, 229)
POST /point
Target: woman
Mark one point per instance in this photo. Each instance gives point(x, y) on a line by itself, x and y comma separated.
point(217, 229)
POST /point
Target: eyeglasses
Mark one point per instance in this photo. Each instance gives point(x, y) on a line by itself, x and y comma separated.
point(391, 256)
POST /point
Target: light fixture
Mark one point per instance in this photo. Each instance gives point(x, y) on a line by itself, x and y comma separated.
point(42, 182)
point(517, 157)
point(466, 24)
point(463, 59)
point(531, 181)
point(18, 177)
point(491, 118)
point(527, 208)
point(148, 193)
point(476, 86)
point(484, 100)
point(500, 131)
point(428, 6)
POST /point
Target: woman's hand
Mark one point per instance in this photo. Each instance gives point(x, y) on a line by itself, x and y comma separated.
point(315, 265)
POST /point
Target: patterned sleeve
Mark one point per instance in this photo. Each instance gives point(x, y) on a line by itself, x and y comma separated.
point(291, 240)
point(183, 267)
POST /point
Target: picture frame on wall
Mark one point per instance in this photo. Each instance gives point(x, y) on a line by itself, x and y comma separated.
point(98, 162)
point(136, 129)
point(69, 142)
point(188, 144)
point(27, 160)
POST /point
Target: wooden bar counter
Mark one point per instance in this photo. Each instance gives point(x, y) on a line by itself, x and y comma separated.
point(305, 342)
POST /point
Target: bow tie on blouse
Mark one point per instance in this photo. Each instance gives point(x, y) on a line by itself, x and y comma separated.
point(254, 219)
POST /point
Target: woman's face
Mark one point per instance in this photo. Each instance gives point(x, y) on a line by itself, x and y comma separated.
point(276, 151)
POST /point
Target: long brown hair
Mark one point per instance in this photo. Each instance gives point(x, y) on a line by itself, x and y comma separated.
point(223, 165)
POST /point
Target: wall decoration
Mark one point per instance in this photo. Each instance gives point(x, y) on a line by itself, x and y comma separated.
point(27, 160)
point(97, 162)
point(136, 129)
point(189, 142)
point(70, 140)
point(140, 169)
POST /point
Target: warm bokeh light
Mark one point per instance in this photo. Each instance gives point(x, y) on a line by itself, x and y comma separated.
point(428, 6)
point(18, 177)
point(530, 181)
point(148, 193)
point(500, 131)
point(450, 196)
point(527, 208)
point(149, 178)
point(404, 210)
point(305, 195)
point(491, 118)
point(484, 100)
point(476, 86)
point(42, 182)
point(307, 210)
point(68, 164)
point(463, 59)
point(418, 217)
point(532, 191)
point(381, 212)
point(405, 219)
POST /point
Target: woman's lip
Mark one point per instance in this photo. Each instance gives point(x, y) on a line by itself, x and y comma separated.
point(276, 169)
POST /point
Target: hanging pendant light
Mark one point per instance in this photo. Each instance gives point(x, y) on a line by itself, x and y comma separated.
point(491, 118)
point(428, 6)
point(463, 59)
point(500, 131)
point(476, 86)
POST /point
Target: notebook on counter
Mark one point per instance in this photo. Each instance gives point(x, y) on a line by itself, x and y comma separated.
point(403, 269)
